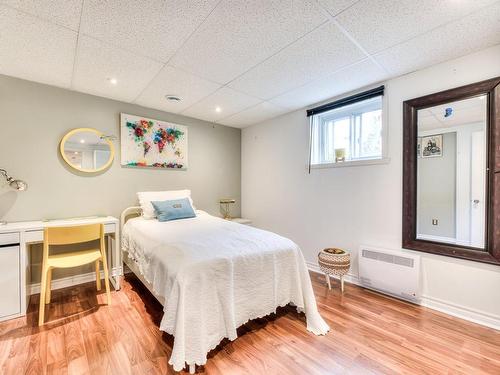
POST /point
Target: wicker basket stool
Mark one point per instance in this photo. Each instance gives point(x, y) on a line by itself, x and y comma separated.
point(334, 262)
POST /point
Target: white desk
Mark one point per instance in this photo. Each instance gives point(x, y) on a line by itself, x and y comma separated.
point(15, 241)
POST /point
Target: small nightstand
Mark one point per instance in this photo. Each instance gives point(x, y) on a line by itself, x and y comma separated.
point(240, 220)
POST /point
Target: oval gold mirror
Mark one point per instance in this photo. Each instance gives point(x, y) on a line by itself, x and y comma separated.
point(87, 150)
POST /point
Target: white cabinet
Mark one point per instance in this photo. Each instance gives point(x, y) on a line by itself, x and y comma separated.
point(9, 239)
point(10, 281)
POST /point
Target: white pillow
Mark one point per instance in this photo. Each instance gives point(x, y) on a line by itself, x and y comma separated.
point(145, 198)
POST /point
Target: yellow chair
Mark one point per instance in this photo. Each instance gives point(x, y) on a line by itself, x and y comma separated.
point(67, 236)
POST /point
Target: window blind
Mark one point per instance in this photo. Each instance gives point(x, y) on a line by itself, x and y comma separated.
point(378, 91)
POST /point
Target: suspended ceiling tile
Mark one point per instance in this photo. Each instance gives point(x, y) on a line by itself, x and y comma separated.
point(228, 100)
point(477, 31)
point(334, 7)
point(237, 36)
point(254, 115)
point(358, 75)
point(98, 62)
point(153, 28)
point(34, 49)
point(63, 12)
point(173, 81)
point(380, 24)
point(318, 54)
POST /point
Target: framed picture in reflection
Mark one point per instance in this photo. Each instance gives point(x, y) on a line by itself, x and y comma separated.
point(432, 146)
point(419, 147)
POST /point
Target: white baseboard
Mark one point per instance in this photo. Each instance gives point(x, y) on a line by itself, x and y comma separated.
point(462, 312)
point(350, 277)
point(65, 282)
point(466, 313)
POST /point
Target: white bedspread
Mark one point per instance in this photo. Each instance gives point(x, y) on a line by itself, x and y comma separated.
point(216, 275)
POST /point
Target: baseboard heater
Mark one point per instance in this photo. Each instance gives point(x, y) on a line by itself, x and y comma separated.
point(390, 272)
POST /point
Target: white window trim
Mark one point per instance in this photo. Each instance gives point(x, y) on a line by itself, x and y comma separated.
point(384, 159)
point(351, 163)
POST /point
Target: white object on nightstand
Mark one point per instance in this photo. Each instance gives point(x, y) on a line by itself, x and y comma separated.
point(240, 220)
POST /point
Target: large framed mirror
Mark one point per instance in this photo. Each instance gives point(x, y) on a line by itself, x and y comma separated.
point(451, 172)
point(87, 150)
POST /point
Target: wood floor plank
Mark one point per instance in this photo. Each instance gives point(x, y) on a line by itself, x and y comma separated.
point(371, 334)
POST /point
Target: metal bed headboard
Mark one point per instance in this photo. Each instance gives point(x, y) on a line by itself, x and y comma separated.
point(129, 213)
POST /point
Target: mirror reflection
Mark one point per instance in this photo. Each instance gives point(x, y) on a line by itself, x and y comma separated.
point(86, 150)
point(451, 172)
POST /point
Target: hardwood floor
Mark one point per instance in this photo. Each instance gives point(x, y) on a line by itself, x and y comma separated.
point(371, 334)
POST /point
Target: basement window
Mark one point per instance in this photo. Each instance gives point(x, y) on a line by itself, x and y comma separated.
point(348, 131)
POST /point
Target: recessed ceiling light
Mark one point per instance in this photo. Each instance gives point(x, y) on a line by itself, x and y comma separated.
point(113, 81)
point(173, 98)
point(82, 140)
point(76, 152)
point(218, 109)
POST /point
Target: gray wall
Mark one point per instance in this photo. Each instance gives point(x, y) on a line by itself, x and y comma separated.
point(436, 191)
point(34, 118)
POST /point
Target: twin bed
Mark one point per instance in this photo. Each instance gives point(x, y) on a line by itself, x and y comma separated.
point(212, 275)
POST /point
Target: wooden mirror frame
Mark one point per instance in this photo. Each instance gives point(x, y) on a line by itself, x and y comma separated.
point(100, 134)
point(491, 253)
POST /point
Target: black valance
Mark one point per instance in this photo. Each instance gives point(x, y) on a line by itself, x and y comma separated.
point(378, 91)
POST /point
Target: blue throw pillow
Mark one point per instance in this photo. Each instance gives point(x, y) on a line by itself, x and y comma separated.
point(173, 209)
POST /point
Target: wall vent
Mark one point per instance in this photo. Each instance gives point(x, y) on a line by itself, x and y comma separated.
point(388, 258)
point(391, 272)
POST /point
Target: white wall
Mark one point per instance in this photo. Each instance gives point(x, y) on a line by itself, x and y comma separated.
point(350, 206)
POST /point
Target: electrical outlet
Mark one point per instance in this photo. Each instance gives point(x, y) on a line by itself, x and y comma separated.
point(434, 221)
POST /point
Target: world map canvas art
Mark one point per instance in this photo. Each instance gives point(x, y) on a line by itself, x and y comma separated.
point(153, 143)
